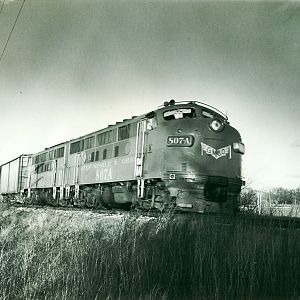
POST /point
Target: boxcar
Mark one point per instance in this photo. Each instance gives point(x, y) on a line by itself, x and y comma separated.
point(13, 177)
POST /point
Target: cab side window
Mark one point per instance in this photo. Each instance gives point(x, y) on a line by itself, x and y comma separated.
point(152, 123)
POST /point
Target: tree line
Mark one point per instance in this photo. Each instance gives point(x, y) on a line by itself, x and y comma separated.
point(275, 196)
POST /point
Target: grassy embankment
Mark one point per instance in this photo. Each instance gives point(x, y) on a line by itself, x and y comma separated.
point(48, 254)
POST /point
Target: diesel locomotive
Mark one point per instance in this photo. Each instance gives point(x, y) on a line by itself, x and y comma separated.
point(184, 155)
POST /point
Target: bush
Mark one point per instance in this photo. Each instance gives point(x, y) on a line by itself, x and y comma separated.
point(248, 197)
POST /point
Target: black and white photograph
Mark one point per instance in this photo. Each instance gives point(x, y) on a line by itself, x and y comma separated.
point(149, 149)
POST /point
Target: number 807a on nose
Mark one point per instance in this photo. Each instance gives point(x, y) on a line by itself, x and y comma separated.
point(180, 141)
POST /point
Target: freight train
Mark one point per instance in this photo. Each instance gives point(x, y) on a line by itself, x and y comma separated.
point(184, 155)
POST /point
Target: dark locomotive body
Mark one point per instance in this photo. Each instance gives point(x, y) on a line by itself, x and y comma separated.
point(184, 155)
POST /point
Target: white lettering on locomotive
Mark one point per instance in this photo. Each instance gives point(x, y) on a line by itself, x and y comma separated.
point(104, 174)
point(179, 140)
point(105, 164)
point(127, 160)
point(216, 153)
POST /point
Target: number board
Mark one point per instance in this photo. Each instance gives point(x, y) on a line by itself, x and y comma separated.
point(180, 140)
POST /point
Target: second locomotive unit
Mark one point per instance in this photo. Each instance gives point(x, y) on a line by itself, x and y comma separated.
point(184, 155)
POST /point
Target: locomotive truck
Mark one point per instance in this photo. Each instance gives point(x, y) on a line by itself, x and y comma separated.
point(184, 155)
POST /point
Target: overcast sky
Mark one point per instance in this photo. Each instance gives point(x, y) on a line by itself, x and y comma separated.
point(72, 67)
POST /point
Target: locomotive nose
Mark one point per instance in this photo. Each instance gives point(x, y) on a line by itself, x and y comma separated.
point(203, 162)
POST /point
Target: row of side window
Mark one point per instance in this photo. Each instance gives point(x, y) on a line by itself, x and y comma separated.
point(104, 138)
point(43, 167)
point(95, 155)
point(52, 154)
point(124, 132)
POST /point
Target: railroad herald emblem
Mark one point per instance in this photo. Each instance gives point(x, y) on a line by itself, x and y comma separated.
point(216, 153)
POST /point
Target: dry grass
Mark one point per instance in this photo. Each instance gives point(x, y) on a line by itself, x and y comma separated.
point(48, 254)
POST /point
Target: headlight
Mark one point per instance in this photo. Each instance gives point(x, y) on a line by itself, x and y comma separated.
point(238, 147)
point(216, 125)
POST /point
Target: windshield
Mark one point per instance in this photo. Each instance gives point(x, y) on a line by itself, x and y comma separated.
point(179, 113)
point(210, 114)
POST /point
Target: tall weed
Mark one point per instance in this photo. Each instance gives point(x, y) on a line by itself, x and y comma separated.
point(58, 255)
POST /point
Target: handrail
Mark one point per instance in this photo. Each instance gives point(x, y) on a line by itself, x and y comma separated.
point(136, 149)
point(201, 104)
point(139, 157)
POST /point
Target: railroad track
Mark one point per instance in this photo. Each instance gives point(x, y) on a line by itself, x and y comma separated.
point(282, 222)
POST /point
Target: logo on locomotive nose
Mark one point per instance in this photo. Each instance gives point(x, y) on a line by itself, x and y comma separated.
point(216, 153)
